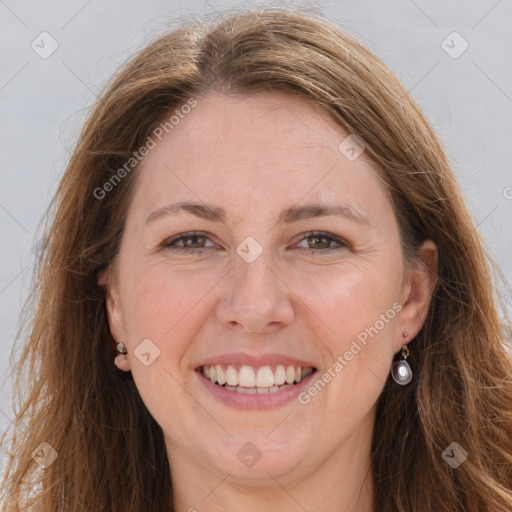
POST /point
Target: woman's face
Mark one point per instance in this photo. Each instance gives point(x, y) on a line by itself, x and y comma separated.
point(293, 272)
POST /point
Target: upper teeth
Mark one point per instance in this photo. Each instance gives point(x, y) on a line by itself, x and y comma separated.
point(250, 376)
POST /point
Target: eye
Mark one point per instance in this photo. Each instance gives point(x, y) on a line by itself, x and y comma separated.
point(319, 241)
point(195, 242)
point(192, 242)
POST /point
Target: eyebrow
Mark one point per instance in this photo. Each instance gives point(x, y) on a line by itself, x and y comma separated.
point(292, 214)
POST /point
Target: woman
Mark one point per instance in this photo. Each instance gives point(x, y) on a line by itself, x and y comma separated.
point(262, 291)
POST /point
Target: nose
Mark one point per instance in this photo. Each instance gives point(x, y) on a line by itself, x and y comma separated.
point(255, 298)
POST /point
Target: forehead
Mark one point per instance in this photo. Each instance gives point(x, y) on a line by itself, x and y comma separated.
point(263, 150)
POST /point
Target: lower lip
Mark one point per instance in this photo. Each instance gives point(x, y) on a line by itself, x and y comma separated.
point(254, 401)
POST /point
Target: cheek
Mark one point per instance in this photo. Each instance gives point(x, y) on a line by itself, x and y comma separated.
point(163, 300)
point(360, 311)
point(168, 307)
point(360, 306)
point(351, 298)
point(359, 341)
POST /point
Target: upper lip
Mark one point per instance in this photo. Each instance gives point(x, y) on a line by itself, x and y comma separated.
point(239, 358)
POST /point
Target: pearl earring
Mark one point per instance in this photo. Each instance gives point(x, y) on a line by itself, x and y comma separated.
point(401, 371)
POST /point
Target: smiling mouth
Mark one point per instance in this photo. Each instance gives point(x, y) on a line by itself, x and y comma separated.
point(255, 379)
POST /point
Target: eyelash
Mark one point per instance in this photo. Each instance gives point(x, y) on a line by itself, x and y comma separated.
point(197, 234)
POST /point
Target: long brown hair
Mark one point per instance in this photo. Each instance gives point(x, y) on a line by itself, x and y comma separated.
point(110, 452)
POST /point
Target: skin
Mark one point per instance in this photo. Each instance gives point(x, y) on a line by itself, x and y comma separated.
point(254, 157)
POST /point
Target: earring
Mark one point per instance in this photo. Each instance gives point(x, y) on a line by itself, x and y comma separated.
point(121, 359)
point(400, 370)
point(121, 348)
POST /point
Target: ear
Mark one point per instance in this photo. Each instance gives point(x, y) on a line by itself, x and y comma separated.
point(114, 314)
point(418, 289)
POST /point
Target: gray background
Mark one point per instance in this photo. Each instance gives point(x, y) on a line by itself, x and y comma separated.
point(43, 103)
